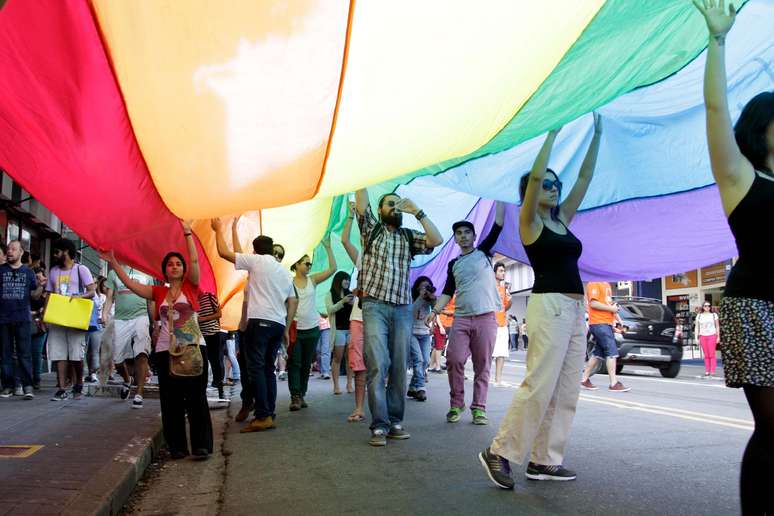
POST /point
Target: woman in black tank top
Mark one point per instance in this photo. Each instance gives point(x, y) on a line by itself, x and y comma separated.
point(541, 414)
point(742, 161)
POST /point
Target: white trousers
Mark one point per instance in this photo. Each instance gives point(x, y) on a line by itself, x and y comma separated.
point(543, 408)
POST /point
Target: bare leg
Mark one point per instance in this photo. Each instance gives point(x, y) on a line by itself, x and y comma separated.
point(499, 363)
point(610, 363)
point(338, 353)
point(590, 367)
point(63, 371)
point(350, 377)
point(140, 371)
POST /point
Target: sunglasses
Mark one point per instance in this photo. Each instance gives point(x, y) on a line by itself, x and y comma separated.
point(548, 185)
point(279, 255)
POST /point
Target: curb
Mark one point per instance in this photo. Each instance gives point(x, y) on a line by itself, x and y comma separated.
point(114, 483)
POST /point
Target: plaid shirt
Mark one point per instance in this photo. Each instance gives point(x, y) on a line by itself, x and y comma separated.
point(385, 272)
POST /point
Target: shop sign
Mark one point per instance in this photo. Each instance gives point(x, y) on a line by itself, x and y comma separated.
point(715, 274)
point(682, 280)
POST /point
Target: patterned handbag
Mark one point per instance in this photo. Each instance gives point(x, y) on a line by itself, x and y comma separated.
point(185, 357)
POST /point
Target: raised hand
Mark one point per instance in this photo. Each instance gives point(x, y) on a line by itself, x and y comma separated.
point(186, 225)
point(719, 22)
point(216, 224)
point(597, 123)
point(327, 242)
point(555, 131)
point(108, 256)
point(407, 206)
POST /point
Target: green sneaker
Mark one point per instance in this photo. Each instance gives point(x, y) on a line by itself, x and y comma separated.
point(454, 415)
point(479, 416)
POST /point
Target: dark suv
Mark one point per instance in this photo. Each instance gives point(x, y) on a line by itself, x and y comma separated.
point(648, 337)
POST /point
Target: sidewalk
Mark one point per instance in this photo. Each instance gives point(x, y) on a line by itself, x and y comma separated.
point(91, 452)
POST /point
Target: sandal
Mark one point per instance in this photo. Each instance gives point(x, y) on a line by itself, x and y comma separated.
point(356, 418)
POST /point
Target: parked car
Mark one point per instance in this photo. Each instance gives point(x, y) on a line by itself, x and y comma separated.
point(647, 337)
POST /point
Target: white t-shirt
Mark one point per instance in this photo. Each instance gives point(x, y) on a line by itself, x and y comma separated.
point(357, 312)
point(707, 323)
point(307, 316)
point(269, 286)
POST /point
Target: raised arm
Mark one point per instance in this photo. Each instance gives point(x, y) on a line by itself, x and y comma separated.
point(193, 255)
point(575, 197)
point(732, 171)
point(345, 236)
point(324, 275)
point(236, 244)
point(144, 291)
point(528, 218)
point(494, 232)
point(220, 241)
point(361, 201)
point(433, 237)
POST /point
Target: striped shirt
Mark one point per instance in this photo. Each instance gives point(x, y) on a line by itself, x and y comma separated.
point(385, 272)
point(208, 305)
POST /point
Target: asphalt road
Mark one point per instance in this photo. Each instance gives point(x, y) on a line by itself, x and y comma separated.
point(667, 447)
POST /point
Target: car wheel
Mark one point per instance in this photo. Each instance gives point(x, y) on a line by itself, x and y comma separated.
point(671, 371)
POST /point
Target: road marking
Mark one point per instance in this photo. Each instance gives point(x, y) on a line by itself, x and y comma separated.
point(701, 417)
point(18, 451)
point(522, 365)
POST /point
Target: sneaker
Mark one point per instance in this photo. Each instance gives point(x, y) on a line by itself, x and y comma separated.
point(420, 396)
point(60, 395)
point(200, 454)
point(124, 391)
point(7, 393)
point(243, 412)
point(619, 387)
point(28, 394)
point(77, 392)
point(36, 386)
point(18, 391)
point(497, 469)
point(259, 425)
point(295, 403)
point(479, 416)
point(378, 438)
point(557, 472)
point(137, 401)
point(454, 415)
point(589, 386)
point(283, 375)
point(92, 378)
point(398, 433)
point(326, 377)
point(411, 393)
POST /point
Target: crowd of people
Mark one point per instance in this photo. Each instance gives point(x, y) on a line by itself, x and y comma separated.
point(386, 323)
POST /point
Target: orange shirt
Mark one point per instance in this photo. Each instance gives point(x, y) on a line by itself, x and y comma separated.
point(447, 320)
point(600, 291)
point(501, 319)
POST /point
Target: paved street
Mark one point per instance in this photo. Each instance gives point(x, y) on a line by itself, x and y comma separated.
point(666, 447)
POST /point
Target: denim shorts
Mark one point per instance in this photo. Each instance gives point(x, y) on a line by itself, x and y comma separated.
point(604, 341)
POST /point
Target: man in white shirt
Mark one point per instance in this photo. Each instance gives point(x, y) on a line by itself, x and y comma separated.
point(268, 320)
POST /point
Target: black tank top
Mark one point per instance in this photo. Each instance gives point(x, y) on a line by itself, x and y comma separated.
point(752, 274)
point(342, 316)
point(554, 258)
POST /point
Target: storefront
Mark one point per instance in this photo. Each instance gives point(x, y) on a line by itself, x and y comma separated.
point(686, 292)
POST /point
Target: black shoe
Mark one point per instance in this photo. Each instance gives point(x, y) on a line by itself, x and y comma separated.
point(177, 455)
point(398, 433)
point(420, 396)
point(201, 454)
point(303, 403)
point(411, 393)
point(557, 472)
point(497, 468)
point(61, 395)
point(124, 391)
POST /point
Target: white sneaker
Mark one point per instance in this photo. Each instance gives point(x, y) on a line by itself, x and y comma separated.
point(137, 402)
point(18, 391)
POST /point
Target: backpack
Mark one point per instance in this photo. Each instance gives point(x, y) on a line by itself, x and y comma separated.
point(379, 228)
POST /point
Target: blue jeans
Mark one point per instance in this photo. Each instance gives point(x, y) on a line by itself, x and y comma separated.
point(263, 339)
point(420, 359)
point(324, 352)
point(604, 341)
point(387, 333)
point(17, 354)
point(38, 343)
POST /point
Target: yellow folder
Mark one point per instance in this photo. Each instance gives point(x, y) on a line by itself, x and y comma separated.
point(71, 312)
